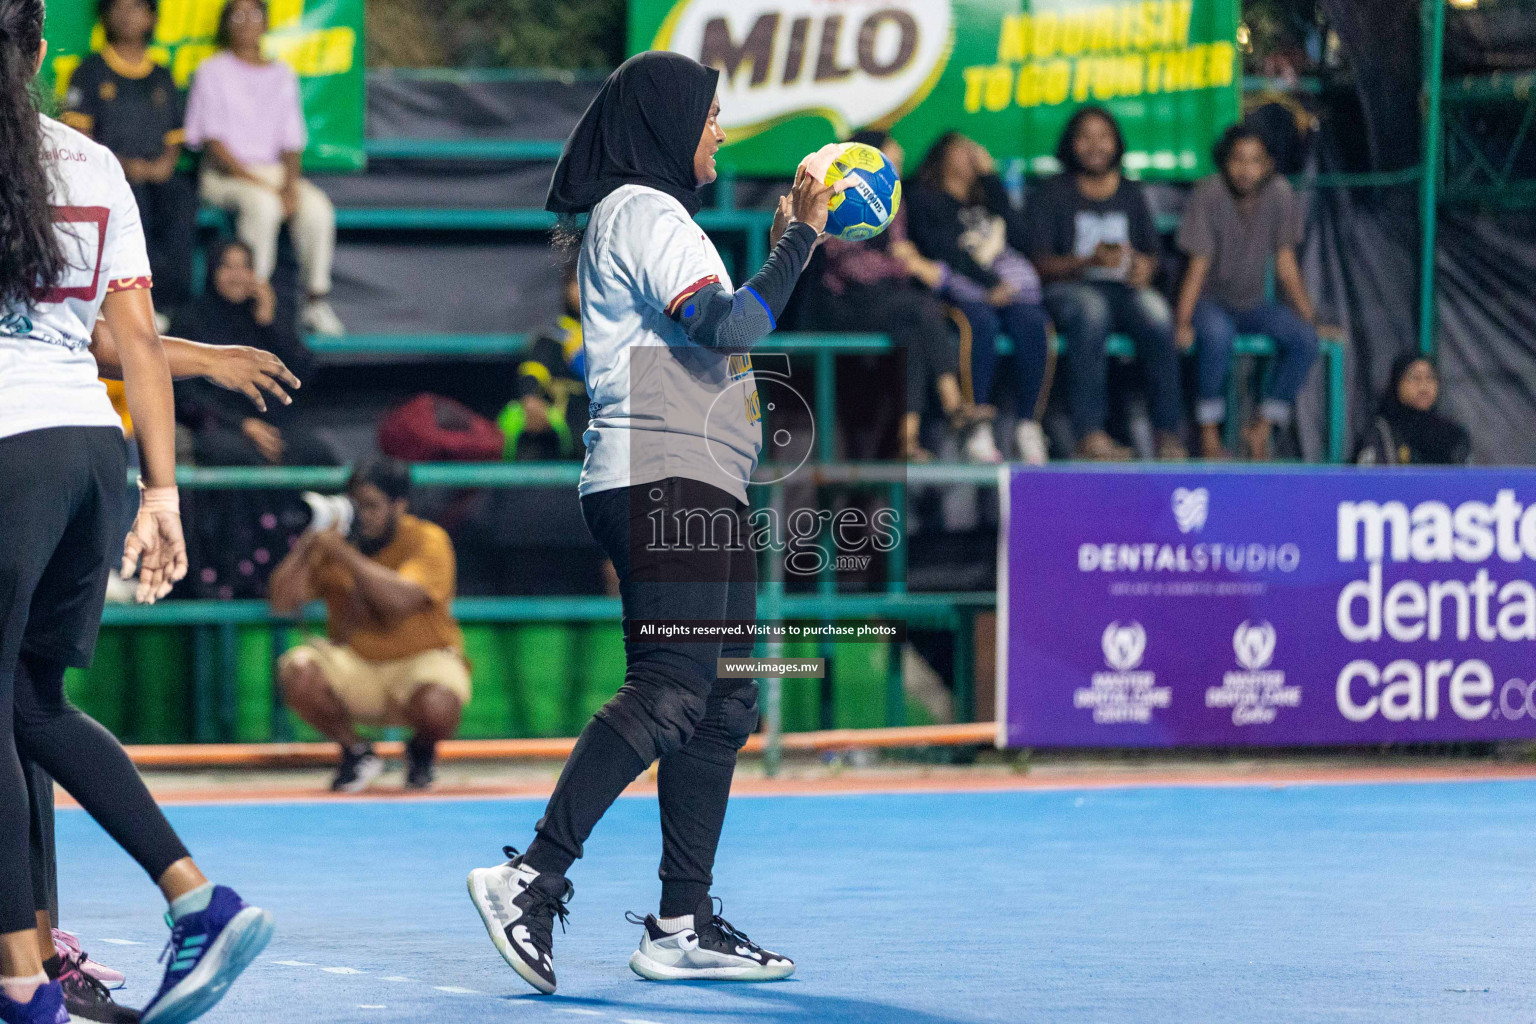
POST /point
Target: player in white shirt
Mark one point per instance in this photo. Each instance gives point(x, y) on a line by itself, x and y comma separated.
point(71, 247)
point(674, 438)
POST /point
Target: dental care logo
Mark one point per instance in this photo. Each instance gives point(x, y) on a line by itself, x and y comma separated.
point(1191, 557)
point(855, 62)
point(1256, 693)
point(1125, 694)
point(1191, 508)
point(1123, 645)
point(1254, 645)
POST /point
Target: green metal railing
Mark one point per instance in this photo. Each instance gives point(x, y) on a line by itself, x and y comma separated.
point(214, 624)
point(824, 348)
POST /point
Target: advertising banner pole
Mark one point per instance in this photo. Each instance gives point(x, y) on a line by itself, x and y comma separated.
point(1433, 16)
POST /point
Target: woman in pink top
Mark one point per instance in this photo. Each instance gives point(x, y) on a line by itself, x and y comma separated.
point(245, 114)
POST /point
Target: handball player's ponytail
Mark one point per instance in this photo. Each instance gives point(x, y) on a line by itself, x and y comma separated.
point(30, 258)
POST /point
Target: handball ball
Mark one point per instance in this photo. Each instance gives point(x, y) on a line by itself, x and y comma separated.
point(869, 203)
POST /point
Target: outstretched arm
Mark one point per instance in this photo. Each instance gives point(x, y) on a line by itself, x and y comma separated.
point(241, 368)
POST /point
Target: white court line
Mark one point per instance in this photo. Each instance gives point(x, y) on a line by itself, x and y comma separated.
point(457, 990)
point(122, 942)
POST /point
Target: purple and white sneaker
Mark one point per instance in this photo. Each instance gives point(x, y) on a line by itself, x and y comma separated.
point(46, 1007)
point(207, 951)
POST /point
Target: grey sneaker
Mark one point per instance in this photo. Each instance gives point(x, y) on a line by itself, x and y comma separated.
point(714, 952)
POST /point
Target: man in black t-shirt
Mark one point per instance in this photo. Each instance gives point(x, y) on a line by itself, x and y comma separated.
point(1091, 236)
point(128, 103)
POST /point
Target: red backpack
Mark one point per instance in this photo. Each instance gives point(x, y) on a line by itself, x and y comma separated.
point(431, 428)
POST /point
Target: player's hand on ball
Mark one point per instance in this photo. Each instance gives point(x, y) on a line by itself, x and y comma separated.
point(809, 197)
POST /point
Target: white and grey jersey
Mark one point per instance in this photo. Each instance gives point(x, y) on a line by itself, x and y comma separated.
point(661, 405)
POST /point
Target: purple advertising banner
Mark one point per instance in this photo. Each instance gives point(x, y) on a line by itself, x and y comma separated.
point(1328, 606)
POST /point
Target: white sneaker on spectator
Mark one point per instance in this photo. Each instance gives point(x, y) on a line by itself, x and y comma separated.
point(320, 318)
point(979, 445)
point(1030, 440)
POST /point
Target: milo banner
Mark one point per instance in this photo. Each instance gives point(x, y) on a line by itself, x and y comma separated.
point(1177, 608)
point(321, 39)
point(797, 74)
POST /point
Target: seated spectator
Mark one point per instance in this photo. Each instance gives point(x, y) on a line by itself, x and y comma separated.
point(1407, 430)
point(548, 415)
point(1236, 221)
point(393, 655)
point(130, 104)
point(245, 114)
point(961, 217)
point(239, 308)
point(1091, 236)
point(884, 285)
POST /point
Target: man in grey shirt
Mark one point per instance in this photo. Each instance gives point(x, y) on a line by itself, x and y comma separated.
point(1237, 221)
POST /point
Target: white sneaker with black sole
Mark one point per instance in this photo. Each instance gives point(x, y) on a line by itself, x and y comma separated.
point(713, 952)
point(519, 906)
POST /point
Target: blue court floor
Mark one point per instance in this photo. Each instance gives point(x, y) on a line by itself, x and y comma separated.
point(1405, 902)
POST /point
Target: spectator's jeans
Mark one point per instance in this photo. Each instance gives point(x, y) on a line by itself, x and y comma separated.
point(258, 213)
point(1295, 349)
point(168, 211)
point(1086, 313)
point(1023, 322)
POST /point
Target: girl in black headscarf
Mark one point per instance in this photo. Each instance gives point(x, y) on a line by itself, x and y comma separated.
point(238, 308)
point(1407, 429)
point(674, 437)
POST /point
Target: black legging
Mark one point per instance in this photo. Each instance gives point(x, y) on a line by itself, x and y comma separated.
point(62, 506)
point(671, 705)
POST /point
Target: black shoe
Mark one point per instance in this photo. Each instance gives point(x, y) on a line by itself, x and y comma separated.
point(519, 906)
point(359, 767)
point(419, 771)
point(88, 999)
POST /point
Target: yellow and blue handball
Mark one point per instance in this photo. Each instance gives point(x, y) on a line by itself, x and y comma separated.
point(869, 203)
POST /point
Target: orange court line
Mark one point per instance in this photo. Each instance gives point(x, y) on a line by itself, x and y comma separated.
point(900, 783)
point(291, 755)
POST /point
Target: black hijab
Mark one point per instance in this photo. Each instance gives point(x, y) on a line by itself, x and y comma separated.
point(213, 319)
point(1432, 439)
point(642, 128)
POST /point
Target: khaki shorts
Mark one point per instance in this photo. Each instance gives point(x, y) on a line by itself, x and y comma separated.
point(377, 692)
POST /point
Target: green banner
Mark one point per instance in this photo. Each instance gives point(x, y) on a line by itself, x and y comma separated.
point(322, 40)
point(797, 74)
